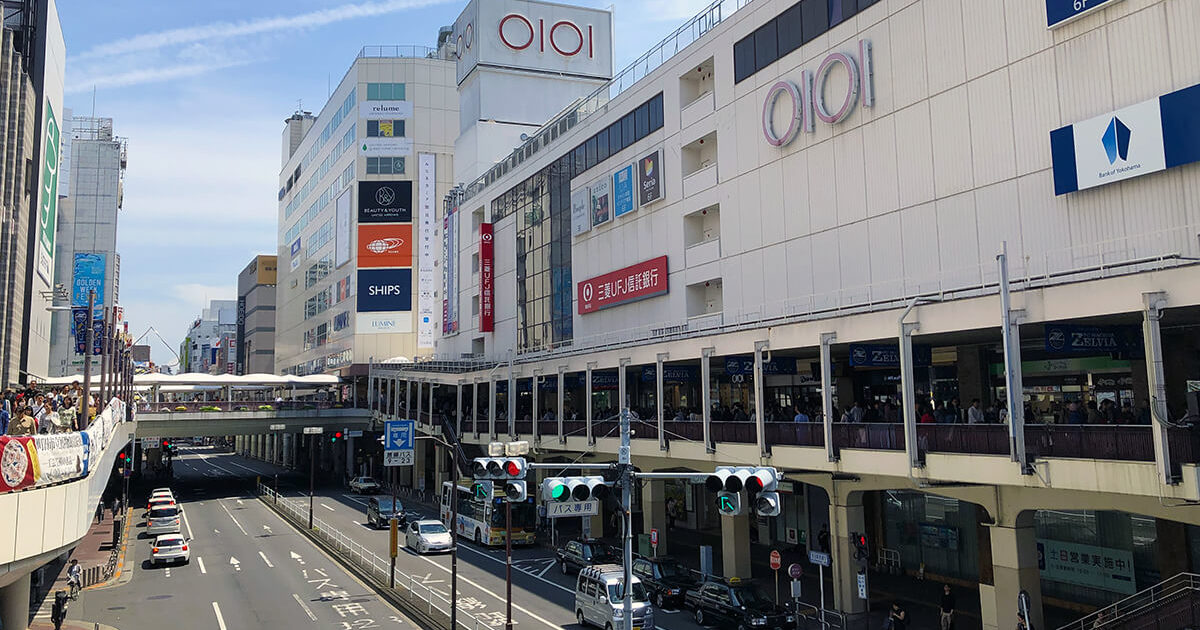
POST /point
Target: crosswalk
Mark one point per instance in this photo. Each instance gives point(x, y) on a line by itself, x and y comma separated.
point(42, 611)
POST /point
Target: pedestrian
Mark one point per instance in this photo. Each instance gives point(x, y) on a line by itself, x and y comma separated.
point(671, 514)
point(898, 617)
point(857, 412)
point(117, 507)
point(927, 416)
point(975, 414)
point(1022, 624)
point(800, 415)
point(1093, 414)
point(24, 424)
point(947, 608)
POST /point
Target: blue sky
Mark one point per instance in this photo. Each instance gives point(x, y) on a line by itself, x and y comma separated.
point(201, 89)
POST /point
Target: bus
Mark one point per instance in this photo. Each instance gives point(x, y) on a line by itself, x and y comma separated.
point(482, 521)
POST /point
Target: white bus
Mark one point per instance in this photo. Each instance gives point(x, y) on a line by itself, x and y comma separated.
point(482, 521)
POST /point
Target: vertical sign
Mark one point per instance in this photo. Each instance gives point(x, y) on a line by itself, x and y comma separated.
point(623, 198)
point(88, 272)
point(427, 230)
point(398, 443)
point(341, 246)
point(580, 221)
point(487, 313)
point(48, 208)
point(241, 335)
point(450, 270)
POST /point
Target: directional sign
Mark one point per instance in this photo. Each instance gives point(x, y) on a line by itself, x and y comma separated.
point(277, 427)
point(654, 537)
point(559, 509)
point(354, 434)
point(398, 458)
point(729, 503)
point(819, 557)
point(313, 430)
point(398, 443)
point(862, 585)
point(776, 560)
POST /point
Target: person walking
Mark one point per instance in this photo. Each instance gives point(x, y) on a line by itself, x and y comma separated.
point(975, 414)
point(74, 578)
point(947, 608)
point(800, 415)
point(897, 617)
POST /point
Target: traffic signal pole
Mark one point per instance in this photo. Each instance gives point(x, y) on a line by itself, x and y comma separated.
point(508, 623)
point(626, 505)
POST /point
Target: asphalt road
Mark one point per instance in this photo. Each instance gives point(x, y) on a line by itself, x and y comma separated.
point(249, 569)
point(542, 597)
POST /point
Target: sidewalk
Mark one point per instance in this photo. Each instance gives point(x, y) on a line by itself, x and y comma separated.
point(93, 553)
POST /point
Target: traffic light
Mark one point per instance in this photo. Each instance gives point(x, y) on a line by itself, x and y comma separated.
point(861, 551)
point(564, 489)
point(482, 490)
point(510, 470)
point(759, 482)
point(729, 503)
point(767, 504)
point(337, 435)
point(516, 491)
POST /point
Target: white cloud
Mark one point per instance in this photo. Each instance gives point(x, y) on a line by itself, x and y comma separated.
point(150, 75)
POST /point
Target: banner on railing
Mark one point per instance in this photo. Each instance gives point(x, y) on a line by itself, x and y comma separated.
point(18, 463)
point(43, 460)
point(61, 456)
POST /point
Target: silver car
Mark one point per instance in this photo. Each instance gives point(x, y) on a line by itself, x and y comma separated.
point(170, 548)
point(164, 520)
point(426, 536)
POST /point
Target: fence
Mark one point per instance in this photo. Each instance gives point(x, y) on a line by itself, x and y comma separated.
point(419, 596)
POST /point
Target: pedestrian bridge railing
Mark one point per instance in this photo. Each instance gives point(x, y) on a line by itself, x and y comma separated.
point(1170, 604)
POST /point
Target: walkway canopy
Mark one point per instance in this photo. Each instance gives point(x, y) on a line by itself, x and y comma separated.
point(248, 381)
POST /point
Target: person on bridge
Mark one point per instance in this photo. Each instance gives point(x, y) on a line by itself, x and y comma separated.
point(24, 424)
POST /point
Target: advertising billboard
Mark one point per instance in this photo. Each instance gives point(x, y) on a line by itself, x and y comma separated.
point(384, 245)
point(342, 232)
point(88, 273)
point(601, 202)
point(650, 178)
point(48, 208)
point(385, 202)
point(635, 282)
point(427, 229)
point(623, 199)
point(385, 110)
point(383, 290)
point(386, 147)
point(581, 221)
point(487, 314)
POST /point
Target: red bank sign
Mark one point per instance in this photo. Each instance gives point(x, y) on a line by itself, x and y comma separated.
point(487, 296)
point(636, 282)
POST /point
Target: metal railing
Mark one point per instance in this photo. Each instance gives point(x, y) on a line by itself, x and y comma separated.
point(413, 51)
point(376, 566)
point(1172, 603)
point(245, 405)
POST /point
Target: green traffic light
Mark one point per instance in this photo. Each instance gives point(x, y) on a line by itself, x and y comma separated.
point(726, 504)
point(559, 492)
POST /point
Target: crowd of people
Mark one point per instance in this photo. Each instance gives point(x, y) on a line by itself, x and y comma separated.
point(34, 410)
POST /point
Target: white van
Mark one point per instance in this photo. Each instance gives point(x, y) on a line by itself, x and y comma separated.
point(599, 599)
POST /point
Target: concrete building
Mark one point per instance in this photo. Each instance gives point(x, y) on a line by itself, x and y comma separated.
point(200, 351)
point(255, 349)
point(86, 235)
point(793, 210)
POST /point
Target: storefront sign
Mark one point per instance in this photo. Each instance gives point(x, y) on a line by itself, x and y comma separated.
point(427, 230)
point(383, 290)
point(671, 374)
point(47, 215)
point(650, 178)
point(745, 365)
point(385, 110)
point(382, 323)
point(88, 274)
point(623, 200)
point(384, 245)
point(601, 202)
point(1068, 338)
point(1086, 565)
point(636, 282)
point(487, 314)
point(240, 356)
point(882, 355)
point(1145, 138)
point(580, 220)
point(1059, 12)
point(798, 103)
point(385, 202)
point(385, 147)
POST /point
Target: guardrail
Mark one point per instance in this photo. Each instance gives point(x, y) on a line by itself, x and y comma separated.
point(244, 405)
point(409, 587)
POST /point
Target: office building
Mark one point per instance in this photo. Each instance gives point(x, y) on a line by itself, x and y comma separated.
point(255, 341)
point(200, 351)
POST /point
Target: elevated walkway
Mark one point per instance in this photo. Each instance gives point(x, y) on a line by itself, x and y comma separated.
point(246, 419)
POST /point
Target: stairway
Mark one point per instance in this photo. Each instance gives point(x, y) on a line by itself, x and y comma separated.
point(1172, 604)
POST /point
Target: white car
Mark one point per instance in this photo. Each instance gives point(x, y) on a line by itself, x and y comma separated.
point(160, 501)
point(164, 520)
point(427, 536)
point(170, 548)
point(162, 492)
point(364, 485)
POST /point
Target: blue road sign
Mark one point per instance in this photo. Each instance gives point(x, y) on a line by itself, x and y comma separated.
point(399, 435)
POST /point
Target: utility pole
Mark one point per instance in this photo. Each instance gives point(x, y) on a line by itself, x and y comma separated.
point(312, 476)
point(623, 459)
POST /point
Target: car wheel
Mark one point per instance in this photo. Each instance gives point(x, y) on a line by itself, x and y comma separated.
point(478, 538)
point(608, 626)
point(563, 567)
point(658, 599)
point(699, 617)
point(579, 618)
point(740, 627)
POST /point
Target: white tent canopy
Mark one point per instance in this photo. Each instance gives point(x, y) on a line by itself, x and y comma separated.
point(217, 380)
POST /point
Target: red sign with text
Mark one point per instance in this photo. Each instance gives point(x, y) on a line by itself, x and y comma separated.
point(487, 311)
point(643, 280)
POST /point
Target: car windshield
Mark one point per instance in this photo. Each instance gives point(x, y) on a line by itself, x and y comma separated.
point(748, 596)
point(164, 512)
point(671, 569)
point(386, 506)
point(616, 593)
point(433, 528)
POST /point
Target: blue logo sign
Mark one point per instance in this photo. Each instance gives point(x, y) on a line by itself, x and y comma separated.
point(384, 290)
point(398, 435)
point(296, 247)
point(883, 355)
point(623, 191)
point(1062, 11)
point(1116, 140)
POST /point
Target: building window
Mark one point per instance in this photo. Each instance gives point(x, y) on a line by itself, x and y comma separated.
point(322, 334)
point(385, 166)
point(385, 92)
point(801, 23)
point(385, 128)
point(318, 271)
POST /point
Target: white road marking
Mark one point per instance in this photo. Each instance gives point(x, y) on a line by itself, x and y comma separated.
point(498, 596)
point(298, 558)
point(200, 561)
point(187, 524)
point(328, 508)
point(501, 561)
point(304, 606)
point(220, 619)
point(264, 557)
point(167, 572)
point(543, 571)
point(354, 499)
point(237, 565)
point(235, 521)
point(357, 523)
point(268, 529)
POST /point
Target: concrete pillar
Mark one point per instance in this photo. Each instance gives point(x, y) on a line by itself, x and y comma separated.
point(1171, 548)
point(654, 511)
point(1155, 303)
point(587, 388)
point(827, 407)
point(420, 462)
point(846, 517)
point(908, 404)
point(593, 526)
point(14, 605)
point(491, 408)
point(1014, 568)
point(972, 371)
point(735, 545)
point(706, 399)
point(351, 465)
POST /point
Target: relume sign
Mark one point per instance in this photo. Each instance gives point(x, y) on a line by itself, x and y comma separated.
point(807, 100)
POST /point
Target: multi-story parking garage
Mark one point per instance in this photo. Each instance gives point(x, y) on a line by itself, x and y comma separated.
point(775, 237)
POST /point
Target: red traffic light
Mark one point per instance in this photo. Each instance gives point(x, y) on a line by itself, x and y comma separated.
point(166, 444)
point(120, 455)
point(862, 540)
point(337, 434)
point(512, 468)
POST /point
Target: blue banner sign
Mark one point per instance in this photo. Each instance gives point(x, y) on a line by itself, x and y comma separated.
point(384, 290)
point(884, 355)
point(88, 274)
point(672, 373)
point(79, 323)
point(1067, 338)
point(745, 365)
point(623, 191)
point(1060, 12)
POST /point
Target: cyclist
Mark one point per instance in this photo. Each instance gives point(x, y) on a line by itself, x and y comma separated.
point(75, 578)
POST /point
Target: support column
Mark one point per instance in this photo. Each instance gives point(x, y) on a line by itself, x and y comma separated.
point(351, 465)
point(654, 511)
point(421, 450)
point(760, 428)
point(1014, 387)
point(846, 516)
point(706, 398)
point(909, 403)
point(622, 393)
point(593, 526)
point(827, 384)
point(1014, 568)
point(475, 408)
point(512, 403)
point(658, 400)
point(408, 400)
point(562, 369)
point(14, 604)
point(491, 408)
point(535, 411)
point(1154, 303)
point(432, 386)
point(458, 412)
point(587, 388)
point(735, 545)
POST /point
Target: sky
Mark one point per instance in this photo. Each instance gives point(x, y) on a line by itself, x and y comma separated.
point(200, 91)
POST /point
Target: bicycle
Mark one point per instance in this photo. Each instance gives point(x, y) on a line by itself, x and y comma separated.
point(74, 585)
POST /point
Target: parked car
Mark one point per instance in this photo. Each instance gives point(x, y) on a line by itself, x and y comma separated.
point(364, 485)
point(159, 501)
point(666, 580)
point(583, 552)
point(163, 520)
point(600, 595)
point(380, 510)
point(736, 603)
point(427, 535)
point(170, 548)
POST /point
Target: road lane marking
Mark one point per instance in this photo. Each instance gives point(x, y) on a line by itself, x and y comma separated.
point(496, 595)
point(307, 611)
point(264, 557)
point(237, 565)
point(167, 572)
point(235, 521)
point(297, 557)
point(187, 524)
point(200, 561)
point(501, 561)
point(220, 619)
point(328, 508)
point(354, 499)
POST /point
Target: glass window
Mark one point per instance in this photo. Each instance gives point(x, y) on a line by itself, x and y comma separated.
point(642, 121)
point(656, 112)
point(743, 59)
point(841, 10)
point(815, 19)
point(789, 31)
point(372, 91)
point(862, 4)
point(627, 135)
point(602, 148)
point(385, 92)
point(766, 48)
point(591, 152)
point(372, 128)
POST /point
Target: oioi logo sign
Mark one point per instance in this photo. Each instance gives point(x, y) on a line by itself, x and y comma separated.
point(808, 99)
point(564, 36)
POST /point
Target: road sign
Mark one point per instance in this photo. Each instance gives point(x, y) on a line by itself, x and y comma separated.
point(862, 585)
point(313, 430)
point(398, 458)
point(818, 557)
point(559, 509)
point(354, 434)
point(151, 442)
point(398, 443)
point(654, 537)
point(776, 560)
point(795, 571)
point(277, 427)
point(796, 589)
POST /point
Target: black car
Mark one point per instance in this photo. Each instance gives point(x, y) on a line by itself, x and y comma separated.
point(666, 580)
point(380, 510)
point(737, 603)
point(583, 552)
